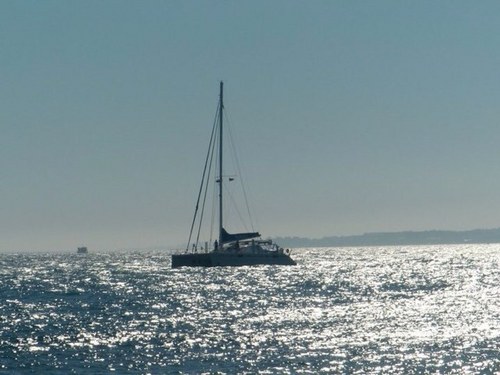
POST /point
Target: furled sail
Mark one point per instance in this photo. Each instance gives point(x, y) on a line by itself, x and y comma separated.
point(228, 237)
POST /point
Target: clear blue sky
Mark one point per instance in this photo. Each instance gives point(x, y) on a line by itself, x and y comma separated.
point(352, 116)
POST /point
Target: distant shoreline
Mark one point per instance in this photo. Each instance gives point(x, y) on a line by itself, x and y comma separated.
point(431, 237)
point(405, 238)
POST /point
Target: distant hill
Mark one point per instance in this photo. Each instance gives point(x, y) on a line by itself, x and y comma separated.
point(432, 237)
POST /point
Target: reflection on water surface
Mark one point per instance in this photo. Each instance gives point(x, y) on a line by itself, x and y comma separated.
point(352, 310)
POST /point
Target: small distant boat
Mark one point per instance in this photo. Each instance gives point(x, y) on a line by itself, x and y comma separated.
point(238, 249)
point(82, 250)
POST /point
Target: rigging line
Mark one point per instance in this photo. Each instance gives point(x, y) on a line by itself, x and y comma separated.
point(210, 146)
point(228, 191)
point(206, 190)
point(242, 183)
point(212, 220)
point(214, 205)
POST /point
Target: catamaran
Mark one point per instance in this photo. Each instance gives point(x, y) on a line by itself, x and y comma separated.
point(237, 249)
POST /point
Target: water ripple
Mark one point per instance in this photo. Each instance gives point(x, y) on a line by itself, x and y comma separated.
point(383, 310)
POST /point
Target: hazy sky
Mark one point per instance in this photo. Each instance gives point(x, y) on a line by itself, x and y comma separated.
point(351, 116)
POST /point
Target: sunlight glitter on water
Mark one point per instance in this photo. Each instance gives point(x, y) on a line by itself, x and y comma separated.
point(352, 310)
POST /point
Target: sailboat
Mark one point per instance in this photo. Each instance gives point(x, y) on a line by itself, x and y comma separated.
point(229, 249)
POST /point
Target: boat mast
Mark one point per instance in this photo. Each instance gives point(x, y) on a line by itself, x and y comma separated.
point(221, 105)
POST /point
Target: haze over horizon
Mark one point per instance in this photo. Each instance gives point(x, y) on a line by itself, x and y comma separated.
point(351, 117)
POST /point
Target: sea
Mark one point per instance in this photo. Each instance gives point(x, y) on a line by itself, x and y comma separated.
point(367, 310)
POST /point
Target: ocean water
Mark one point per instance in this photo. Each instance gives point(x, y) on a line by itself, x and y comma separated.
point(373, 310)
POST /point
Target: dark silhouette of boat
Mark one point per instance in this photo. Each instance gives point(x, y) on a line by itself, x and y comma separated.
point(82, 250)
point(238, 249)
